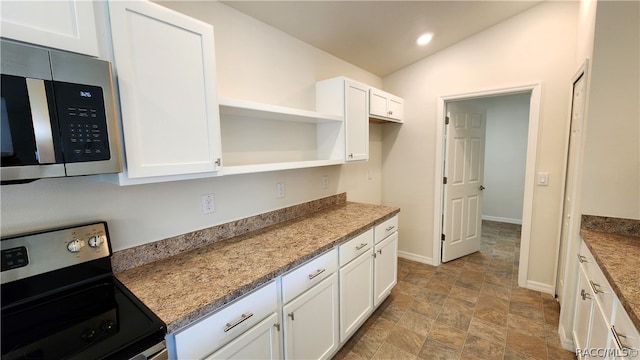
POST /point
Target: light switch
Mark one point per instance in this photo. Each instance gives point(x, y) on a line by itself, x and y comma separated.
point(543, 179)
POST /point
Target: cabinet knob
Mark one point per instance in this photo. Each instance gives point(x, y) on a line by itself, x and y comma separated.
point(350, 155)
point(291, 316)
point(582, 259)
point(596, 287)
point(585, 295)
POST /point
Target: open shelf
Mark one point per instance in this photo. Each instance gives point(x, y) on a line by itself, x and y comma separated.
point(259, 137)
point(256, 110)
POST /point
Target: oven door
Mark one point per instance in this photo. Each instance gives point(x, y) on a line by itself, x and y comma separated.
point(30, 139)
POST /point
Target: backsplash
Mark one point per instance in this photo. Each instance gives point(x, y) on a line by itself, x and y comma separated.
point(147, 253)
point(627, 227)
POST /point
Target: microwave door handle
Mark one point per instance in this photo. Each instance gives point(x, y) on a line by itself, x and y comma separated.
point(41, 121)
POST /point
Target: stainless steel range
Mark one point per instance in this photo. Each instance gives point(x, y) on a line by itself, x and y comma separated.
point(60, 300)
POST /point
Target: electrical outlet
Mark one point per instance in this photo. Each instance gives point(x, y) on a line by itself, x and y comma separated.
point(208, 204)
point(280, 190)
point(325, 181)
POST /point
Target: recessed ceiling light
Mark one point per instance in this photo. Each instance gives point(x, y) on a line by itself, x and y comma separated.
point(424, 39)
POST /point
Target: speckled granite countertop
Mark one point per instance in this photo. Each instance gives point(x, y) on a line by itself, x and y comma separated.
point(616, 249)
point(187, 286)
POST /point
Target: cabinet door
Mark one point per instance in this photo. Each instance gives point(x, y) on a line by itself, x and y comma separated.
point(599, 337)
point(378, 105)
point(356, 289)
point(67, 25)
point(395, 108)
point(165, 64)
point(356, 121)
point(583, 311)
point(625, 336)
point(311, 322)
point(260, 342)
point(385, 268)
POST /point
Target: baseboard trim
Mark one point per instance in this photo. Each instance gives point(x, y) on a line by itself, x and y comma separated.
point(415, 257)
point(503, 220)
point(538, 286)
point(565, 341)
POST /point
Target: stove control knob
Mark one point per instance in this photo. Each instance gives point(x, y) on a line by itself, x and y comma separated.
point(75, 245)
point(96, 241)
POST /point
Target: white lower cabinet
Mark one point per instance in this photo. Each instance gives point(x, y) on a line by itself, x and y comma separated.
point(386, 268)
point(233, 322)
point(356, 283)
point(311, 322)
point(307, 313)
point(582, 312)
point(601, 329)
point(260, 342)
point(625, 337)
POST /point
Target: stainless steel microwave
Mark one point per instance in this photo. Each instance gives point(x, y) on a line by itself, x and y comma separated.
point(58, 115)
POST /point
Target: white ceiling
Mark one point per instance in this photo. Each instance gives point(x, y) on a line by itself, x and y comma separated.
point(380, 36)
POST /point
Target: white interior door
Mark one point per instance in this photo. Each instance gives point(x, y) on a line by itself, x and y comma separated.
point(464, 168)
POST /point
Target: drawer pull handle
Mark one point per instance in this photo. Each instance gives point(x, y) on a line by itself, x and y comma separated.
point(582, 259)
point(390, 228)
point(291, 316)
point(380, 251)
point(585, 295)
point(237, 322)
point(595, 287)
point(318, 272)
point(617, 337)
point(359, 247)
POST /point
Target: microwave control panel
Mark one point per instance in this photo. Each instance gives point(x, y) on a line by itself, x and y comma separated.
point(83, 122)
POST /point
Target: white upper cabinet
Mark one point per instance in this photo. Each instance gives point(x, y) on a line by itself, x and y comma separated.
point(165, 65)
point(66, 25)
point(350, 99)
point(385, 106)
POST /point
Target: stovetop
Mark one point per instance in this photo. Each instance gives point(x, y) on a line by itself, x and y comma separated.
point(74, 312)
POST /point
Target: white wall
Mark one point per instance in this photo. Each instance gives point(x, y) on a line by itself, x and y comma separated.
point(611, 170)
point(505, 157)
point(254, 62)
point(537, 45)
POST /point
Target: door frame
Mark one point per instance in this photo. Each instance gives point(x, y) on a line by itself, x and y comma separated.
point(532, 144)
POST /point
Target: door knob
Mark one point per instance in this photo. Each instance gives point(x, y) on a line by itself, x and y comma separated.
point(482, 187)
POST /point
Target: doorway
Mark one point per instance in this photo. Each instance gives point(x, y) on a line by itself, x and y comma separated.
point(532, 134)
point(485, 150)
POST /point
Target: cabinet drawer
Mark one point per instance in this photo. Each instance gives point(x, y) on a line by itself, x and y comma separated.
point(304, 277)
point(356, 246)
point(207, 335)
point(386, 228)
point(602, 291)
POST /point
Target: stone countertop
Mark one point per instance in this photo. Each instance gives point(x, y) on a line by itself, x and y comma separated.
point(185, 287)
point(619, 258)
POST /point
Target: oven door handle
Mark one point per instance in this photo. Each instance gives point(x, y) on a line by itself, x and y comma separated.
point(41, 121)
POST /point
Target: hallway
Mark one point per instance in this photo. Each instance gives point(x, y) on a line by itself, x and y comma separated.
point(469, 308)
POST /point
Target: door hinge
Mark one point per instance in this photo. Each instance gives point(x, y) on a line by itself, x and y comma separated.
point(446, 120)
point(442, 237)
point(444, 180)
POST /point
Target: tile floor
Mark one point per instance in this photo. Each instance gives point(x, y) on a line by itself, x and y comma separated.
point(470, 308)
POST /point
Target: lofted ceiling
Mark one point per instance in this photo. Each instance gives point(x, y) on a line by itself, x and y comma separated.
point(380, 36)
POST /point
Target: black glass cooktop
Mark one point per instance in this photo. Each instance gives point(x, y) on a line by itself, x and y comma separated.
point(99, 320)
